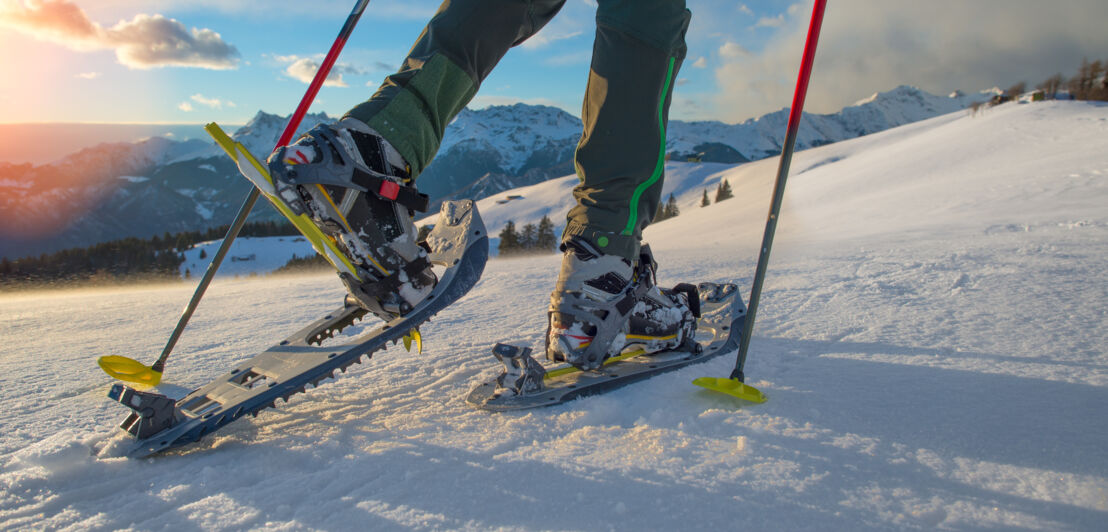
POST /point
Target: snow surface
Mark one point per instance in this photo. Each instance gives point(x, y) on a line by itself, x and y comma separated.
point(931, 339)
point(247, 256)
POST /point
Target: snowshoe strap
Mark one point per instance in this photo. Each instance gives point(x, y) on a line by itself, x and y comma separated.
point(389, 189)
point(382, 289)
point(692, 295)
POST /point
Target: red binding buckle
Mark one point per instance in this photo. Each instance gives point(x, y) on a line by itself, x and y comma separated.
point(389, 189)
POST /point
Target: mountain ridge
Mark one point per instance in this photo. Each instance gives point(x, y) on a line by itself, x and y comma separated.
point(157, 185)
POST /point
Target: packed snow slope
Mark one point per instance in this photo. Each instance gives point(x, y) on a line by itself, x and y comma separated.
point(931, 339)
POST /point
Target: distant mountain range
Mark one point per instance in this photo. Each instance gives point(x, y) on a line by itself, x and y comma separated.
point(158, 185)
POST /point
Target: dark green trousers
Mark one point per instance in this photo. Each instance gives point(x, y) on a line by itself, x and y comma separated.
point(637, 52)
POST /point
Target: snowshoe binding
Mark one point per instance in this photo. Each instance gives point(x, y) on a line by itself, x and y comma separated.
point(603, 305)
point(356, 188)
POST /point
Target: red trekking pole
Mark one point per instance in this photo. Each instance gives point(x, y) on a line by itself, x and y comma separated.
point(733, 385)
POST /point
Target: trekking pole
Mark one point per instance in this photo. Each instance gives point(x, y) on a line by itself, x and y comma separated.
point(130, 370)
point(733, 385)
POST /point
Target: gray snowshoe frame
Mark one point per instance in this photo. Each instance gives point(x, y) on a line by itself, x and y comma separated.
point(459, 242)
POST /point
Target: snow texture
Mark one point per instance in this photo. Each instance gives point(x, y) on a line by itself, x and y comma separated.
point(931, 339)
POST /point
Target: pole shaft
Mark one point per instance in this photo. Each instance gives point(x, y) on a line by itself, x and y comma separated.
point(252, 198)
point(779, 187)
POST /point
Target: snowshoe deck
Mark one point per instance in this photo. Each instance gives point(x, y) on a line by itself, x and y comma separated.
point(722, 311)
point(458, 242)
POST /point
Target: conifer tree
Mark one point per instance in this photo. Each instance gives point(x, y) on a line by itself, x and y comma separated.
point(704, 202)
point(667, 210)
point(545, 240)
point(528, 237)
point(723, 191)
point(660, 214)
point(509, 239)
point(671, 207)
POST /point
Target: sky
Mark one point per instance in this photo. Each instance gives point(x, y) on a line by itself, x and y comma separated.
point(194, 61)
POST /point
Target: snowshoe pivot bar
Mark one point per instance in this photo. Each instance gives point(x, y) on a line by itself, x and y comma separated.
point(458, 242)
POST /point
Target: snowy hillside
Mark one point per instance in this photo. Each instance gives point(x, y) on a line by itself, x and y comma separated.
point(931, 339)
point(247, 256)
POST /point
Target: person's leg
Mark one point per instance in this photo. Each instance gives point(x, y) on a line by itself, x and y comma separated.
point(456, 52)
point(354, 178)
point(639, 48)
point(605, 299)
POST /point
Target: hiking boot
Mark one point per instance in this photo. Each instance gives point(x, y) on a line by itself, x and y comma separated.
point(603, 305)
point(357, 189)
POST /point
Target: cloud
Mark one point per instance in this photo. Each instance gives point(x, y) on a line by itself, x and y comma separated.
point(305, 68)
point(939, 46)
point(730, 50)
point(214, 103)
point(771, 22)
point(745, 10)
point(543, 39)
point(701, 62)
point(146, 41)
point(87, 75)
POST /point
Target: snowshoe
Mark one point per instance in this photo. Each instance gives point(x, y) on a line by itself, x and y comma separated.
point(524, 383)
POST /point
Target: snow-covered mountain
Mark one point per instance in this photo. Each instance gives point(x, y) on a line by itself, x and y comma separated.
point(763, 137)
point(155, 186)
point(931, 338)
point(118, 190)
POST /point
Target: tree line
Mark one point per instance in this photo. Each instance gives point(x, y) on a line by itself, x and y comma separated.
point(156, 258)
point(531, 239)
point(669, 209)
point(1090, 83)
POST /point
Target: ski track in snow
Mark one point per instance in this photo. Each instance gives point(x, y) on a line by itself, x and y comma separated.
point(931, 338)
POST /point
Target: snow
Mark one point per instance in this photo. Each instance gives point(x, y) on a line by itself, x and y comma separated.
point(931, 339)
point(247, 256)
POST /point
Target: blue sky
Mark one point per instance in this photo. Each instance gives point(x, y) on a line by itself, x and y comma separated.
point(742, 57)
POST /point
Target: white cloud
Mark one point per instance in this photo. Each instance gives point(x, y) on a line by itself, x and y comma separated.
point(214, 103)
point(544, 38)
point(745, 10)
point(185, 106)
point(731, 50)
point(771, 22)
point(145, 41)
point(701, 62)
point(305, 68)
point(939, 46)
point(87, 75)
